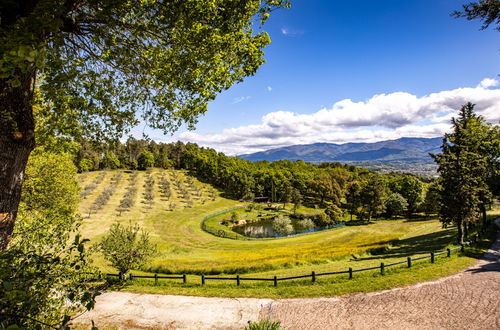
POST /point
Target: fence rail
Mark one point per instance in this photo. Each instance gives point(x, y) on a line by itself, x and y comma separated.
point(313, 275)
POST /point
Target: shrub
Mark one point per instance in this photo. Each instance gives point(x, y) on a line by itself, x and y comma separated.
point(305, 224)
point(282, 225)
point(395, 204)
point(145, 160)
point(264, 325)
point(126, 247)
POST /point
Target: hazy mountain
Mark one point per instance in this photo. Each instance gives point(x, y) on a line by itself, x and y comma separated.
point(399, 154)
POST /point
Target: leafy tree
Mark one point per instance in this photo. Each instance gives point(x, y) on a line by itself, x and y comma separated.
point(334, 213)
point(463, 169)
point(126, 247)
point(42, 272)
point(146, 160)
point(412, 191)
point(432, 197)
point(110, 161)
point(326, 188)
point(353, 201)
point(395, 204)
point(282, 225)
point(372, 195)
point(296, 198)
point(85, 165)
point(487, 11)
point(99, 63)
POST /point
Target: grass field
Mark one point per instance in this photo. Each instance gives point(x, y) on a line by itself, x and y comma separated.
point(185, 248)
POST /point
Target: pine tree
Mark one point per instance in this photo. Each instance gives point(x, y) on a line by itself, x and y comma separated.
point(464, 169)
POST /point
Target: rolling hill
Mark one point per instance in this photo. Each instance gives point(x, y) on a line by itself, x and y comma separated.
point(407, 154)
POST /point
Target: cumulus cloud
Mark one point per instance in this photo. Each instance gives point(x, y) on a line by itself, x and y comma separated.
point(269, 89)
point(383, 116)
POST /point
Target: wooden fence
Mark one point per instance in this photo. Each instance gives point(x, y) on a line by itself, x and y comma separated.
point(313, 275)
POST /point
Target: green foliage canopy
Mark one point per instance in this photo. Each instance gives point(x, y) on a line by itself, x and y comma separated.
point(42, 272)
point(100, 62)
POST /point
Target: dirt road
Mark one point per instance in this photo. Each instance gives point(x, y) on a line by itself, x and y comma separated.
point(467, 300)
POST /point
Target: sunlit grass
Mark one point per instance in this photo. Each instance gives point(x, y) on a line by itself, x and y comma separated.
point(185, 248)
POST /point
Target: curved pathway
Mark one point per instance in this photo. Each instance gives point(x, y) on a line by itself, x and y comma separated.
point(467, 300)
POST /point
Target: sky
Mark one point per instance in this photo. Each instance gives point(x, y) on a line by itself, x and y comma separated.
point(355, 71)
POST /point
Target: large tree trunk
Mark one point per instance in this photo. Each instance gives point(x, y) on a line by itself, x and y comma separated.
point(17, 140)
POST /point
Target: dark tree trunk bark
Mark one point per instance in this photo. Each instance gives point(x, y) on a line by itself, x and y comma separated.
point(17, 140)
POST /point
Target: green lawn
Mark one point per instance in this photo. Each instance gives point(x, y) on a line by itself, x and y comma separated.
point(185, 248)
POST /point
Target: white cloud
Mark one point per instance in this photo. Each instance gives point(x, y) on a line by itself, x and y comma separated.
point(383, 116)
point(240, 99)
point(290, 32)
point(269, 89)
point(488, 82)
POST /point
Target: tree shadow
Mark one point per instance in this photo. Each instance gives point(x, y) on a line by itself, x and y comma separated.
point(415, 245)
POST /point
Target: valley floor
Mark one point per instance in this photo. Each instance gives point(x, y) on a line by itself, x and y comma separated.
point(467, 300)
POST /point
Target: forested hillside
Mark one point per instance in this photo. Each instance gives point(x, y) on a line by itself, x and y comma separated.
point(338, 187)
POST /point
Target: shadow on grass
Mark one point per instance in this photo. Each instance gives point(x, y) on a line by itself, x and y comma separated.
point(415, 245)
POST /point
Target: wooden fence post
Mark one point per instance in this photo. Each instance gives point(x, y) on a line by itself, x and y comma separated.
point(448, 250)
point(130, 276)
point(313, 276)
point(202, 279)
point(382, 268)
point(156, 278)
point(432, 257)
point(184, 280)
point(275, 280)
point(350, 273)
point(409, 262)
point(238, 280)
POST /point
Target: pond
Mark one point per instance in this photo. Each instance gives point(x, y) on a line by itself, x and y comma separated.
point(264, 228)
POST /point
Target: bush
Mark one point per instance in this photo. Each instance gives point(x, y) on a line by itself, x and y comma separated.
point(305, 224)
point(126, 248)
point(395, 204)
point(145, 160)
point(282, 225)
point(264, 325)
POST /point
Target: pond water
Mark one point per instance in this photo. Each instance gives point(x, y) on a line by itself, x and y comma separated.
point(264, 228)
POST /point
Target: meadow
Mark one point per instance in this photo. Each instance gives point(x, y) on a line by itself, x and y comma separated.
point(174, 225)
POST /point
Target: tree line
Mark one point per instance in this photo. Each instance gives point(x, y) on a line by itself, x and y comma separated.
point(338, 188)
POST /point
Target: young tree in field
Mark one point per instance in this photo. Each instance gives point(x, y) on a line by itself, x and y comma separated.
point(464, 169)
point(101, 66)
point(42, 272)
point(126, 247)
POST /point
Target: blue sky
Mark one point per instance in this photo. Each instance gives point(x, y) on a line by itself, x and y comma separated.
point(366, 70)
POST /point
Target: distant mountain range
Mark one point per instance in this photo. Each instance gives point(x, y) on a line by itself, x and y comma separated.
point(410, 154)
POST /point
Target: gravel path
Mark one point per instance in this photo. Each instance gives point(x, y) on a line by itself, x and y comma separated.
point(467, 300)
